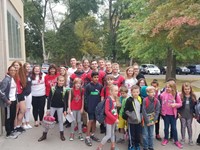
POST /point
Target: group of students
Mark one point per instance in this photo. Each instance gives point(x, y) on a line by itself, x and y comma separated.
point(130, 105)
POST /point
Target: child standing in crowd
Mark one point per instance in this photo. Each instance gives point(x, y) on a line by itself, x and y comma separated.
point(118, 79)
point(38, 94)
point(8, 100)
point(133, 105)
point(111, 118)
point(186, 111)
point(130, 79)
point(150, 112)
point(28, 97)
point(170, 102)
point(75, 106)
point(63, 72)
point(57, 102)
point(122, 123)
point(92, 98)
point(155, 84)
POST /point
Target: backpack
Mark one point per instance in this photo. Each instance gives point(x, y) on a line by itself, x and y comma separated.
point(100, 110)
point(197, 111)
point(148, 101)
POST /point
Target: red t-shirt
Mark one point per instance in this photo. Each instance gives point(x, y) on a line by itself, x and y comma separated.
point(76, 102)
point(49, 82)
point(105, 92)
point(19, 86)
point(119, 81)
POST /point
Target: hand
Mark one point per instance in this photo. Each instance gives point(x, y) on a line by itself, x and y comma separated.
point(8, 102)
point(65, 113)
point(81, 110)
point(69, 111)
point(48, 113)
point(117, 121)
point(173, 105)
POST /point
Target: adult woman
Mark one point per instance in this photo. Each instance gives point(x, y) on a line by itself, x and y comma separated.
point(38, 93)
point(28, 97)
point(8, 95)
point(21, 85)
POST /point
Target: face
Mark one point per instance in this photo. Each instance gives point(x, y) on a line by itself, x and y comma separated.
point(95, 79)
point(109, 81)
point(52, 71)
point(168, 89)
point(130, 72)
point(187, 90)
point(101, 63)
point(17, 66)
point(115, 91)
point(28, 67)
point(36, 70)
point(80, 67)
point(151, 93)
point(12, 71)
point(108, 66)
point(78, 85)
point(155, 85)
point(123, 94)
point(115, 69)
point(94, 65)
point(86, 63)
point(136, 69)
point(135, 93)
point(61, 81)
point(62, 71)
point(73, 62)
point(142, 83)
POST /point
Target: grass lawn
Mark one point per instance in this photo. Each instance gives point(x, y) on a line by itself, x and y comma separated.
point(178, 81)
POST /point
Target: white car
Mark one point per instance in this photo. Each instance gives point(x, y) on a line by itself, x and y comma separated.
point(150, 69)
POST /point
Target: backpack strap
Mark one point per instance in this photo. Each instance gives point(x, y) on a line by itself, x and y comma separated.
point(53, 89)
point(147, 101)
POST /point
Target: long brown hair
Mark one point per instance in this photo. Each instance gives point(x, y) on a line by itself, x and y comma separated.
point(20, 75)
point(33, 75)
point(172, 85)
point(192, 95)
point(127, 69)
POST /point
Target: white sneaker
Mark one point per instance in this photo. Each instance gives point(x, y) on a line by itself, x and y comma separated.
point(29, 126)
point(25, 127)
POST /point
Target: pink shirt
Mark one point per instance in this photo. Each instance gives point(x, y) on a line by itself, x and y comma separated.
point(167, 99)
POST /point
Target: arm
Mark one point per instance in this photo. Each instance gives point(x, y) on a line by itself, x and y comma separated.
point(82, 108)
point(69, 101)
point(178, 101)
point(126, 108)
point(157, 110)
point(3, 87)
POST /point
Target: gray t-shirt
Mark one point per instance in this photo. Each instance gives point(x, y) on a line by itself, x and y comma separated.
point(186, 113)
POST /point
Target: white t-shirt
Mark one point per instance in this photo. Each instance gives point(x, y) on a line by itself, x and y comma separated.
point(13, 90)
point(38, 86)
point(70, 71)
point(129, 83)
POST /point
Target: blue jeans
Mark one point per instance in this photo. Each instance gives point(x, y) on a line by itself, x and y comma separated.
point(170, 120)
point(147, 134)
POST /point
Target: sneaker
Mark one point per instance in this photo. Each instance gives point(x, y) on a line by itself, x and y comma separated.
point(120, 140)
point(182, 141)
point(94, 138)
point(191, 143)
point(158, 137)
point(71, 138)
point(25, 127)
point(88, 142)
point(80, 137)
point(29, 126)
point(178, 144)
point(11, 136)
point(20, 129)
point(164, 142)
point(84, 129)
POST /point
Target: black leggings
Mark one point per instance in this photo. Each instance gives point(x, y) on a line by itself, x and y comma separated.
point(10, 113)
point(38, 104)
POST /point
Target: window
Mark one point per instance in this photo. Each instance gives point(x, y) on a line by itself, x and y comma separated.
point(14, 39)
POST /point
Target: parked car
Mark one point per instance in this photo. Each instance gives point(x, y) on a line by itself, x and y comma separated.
point(45, 68)
point(194, 69)
point(149, 69)
point(182, 70)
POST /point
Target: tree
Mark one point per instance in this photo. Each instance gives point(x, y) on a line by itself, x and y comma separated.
point(167, 27)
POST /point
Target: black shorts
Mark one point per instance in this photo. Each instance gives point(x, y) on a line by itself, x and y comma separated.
point(91, 116)
point(20, 97)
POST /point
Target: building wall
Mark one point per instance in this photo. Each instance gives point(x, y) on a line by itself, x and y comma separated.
point(13, 9)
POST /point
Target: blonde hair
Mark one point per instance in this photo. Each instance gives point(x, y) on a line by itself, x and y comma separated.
point(173, 87)
point(150, 88)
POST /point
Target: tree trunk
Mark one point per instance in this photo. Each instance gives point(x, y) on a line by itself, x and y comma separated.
point(169, 63)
